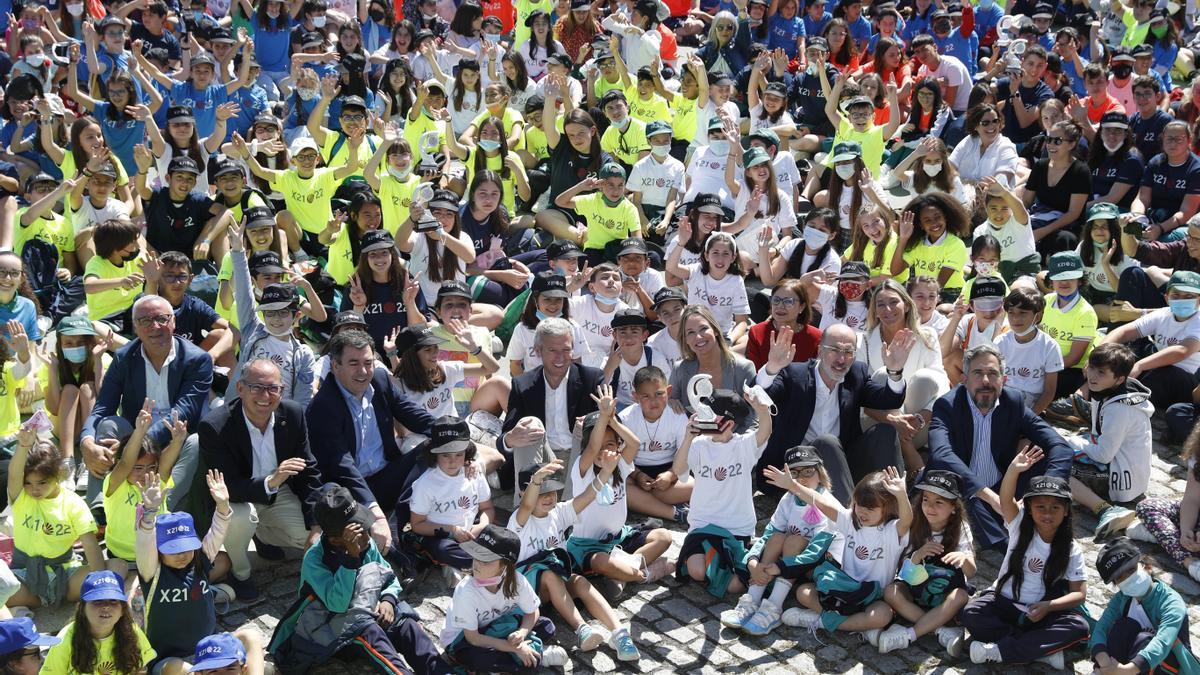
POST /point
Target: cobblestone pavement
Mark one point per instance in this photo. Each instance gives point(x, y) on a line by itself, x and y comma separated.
point(677, 629)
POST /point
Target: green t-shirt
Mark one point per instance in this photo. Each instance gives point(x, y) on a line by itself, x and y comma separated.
point(507, 120)
point(342, 156)
point(871, 141)
point(684, 117)
point(396, 196)
point(114, 300)
point(308, 198)
point(607, 223)
point(10, 409)
point(1135, 33)
point(885, 264)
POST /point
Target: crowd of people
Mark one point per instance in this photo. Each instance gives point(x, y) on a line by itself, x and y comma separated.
point(338, 277)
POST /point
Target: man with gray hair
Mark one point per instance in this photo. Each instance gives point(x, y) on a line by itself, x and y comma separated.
point(545, 401)
point(975, 432)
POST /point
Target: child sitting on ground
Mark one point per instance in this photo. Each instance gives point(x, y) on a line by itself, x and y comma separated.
point(654, 489)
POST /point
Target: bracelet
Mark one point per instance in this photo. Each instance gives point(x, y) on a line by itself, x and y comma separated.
point(477, 352)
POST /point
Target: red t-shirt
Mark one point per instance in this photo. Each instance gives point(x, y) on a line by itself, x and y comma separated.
point(501, 9)
point(758, 344)
point(669, 49)
point(1109, 104)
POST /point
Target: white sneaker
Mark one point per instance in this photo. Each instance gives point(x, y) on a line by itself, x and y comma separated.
point(1055, 660)
point(872, 636)
point(589, 638)
point(554, 656)
point(983, 652)
point(658, 569)
point(81, 477)
point(893, 638)
point(951, 640)
point(1194, 570)
point(1138, 532)
point(734, 618)
point(798, 617)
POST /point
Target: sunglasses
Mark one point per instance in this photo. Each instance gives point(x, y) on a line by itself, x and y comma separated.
point(989, 123)
point(1055, 140)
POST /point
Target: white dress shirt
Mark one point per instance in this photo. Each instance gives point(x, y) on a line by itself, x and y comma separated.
point(558, 430)
point(826, 416)
point(158, 387)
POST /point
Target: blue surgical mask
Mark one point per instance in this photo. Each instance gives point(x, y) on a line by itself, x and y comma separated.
point(607, 302)
point(605, 495)
point(542, 316)
point(720, 148)
point(986, 4)
point(1067, 298)
point(560, 271)
point(488, 145)
point(1182, 308)
point(75, 354)
point(814, 238)
point(493, 38)
point(1137, 585)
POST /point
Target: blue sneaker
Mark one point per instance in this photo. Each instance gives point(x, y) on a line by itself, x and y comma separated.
point(738, 616)
point(245, 589)
point(765, 620)
point(1113, 520)
point(622, 642)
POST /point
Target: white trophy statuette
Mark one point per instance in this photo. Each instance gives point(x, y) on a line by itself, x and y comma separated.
point(700, 388)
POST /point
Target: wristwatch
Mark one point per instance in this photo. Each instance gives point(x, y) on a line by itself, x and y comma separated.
point(895, 375)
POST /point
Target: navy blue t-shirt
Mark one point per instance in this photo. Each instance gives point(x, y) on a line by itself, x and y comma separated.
point(385, 311)
point(1170, 184)
point(1147, 133)
point(166, 41)
point(1031, 97)
point(175, 226)
point(1126, 168)
point(805, 96)
point(192, 317)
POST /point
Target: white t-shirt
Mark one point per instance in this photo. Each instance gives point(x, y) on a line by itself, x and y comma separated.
point(757, 121)
point(543, 534)
point(520, 346)
point(686, 257)
point(473, 607)
point(709, 111)
point(660, 440)
point(937, 321)
point(707, 174)
point(856, 311)
point(596, 327)
point(439, 401)
point(726, 298)
point(651, 281)
point(666, 351)
point(89, 215)
point(870, 553)
point(599, 520)
point(787, 174)
point(723, 493)
point(461, 118)
point(987, 336)
point(1016, 240)
point(831, 263)
point(789, 517)
point(625, 372)
point(1032, 588)
point(536, 64)
point(449, 500)
point(1026, 365)
point(1097, 276)
point(956, 75)
point(1165, 331)
point(782, 222)
point(655, 179)
point(419, 263)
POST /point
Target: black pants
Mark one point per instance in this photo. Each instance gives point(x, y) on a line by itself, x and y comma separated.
point(877, 449)
point(388, 484)
point(1126, 638)
point(402, 649)
point(1069, 379)
point(1169, 385)
point(994, 618)
point(486, 660)
point(1139, 290)
point(1181, 418)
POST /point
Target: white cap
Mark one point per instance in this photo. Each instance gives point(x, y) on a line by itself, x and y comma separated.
point(301, 143)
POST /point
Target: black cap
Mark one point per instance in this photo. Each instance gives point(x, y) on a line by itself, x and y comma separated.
point(633, 245)
point(265, 262)
point(225, 166)
point(336, 508)
point(110, 20)
point(535, 103)
point(444, 199)
point(494, 543)
point(314, 39)
point(180, 113)
point(560, 58)
point(454, 289)
point(629, 317)
point(414, 337)
point(707, 202)
point(40, 177)
point(534, 16)
point(221, 34)
point(801, 456)
point(550, 483)
point(817, 43)
point(610, 96)
point(667, 294)
point(563, 249)
point(1048, 486)
point(376, 240)
point(777, 88)
point(1118, 557)
point(580, 4)
point(268, 118)
point(107, 169)
point(854, 269)
point(1042, 10)
point(258, 216)
point(988, 287)
point(183, 164)
point(941, 483)
point(728, 404)
point(353, 102)
point(1142, 50)
point(349, 318)
point(550, 285)
point(722, 79)
point(764, 3)
point(202, 58)
point(1120, 54)
point(278, 296)
point(939, 14)
point(1114, 119)
point(449, 433)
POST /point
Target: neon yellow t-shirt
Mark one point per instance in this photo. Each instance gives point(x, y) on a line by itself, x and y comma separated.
point(684, 117)
point(524, 9)
point(114, 300)
point(507, 120)
point(535, 143)
point(343, 153)
point(10, 410)
point(413, 130)
point(58, 659)
point(871, 141)
point(929, 259)
point(626, 146)
point(50, 526)
point(607, 223)
point(69, 170)
point(396, 196)
point(341, 263)
point(884, 267)
point(51, 227)
point(602, 85)
point(252, 201)
point(509, 188)
point(1077, 324)
point(308, 198)
point(1134, 34)
point(654, 109)
point(120, 512)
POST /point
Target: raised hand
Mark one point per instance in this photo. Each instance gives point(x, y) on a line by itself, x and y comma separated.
point(218, 489)
point(895, 353)
point(783, 350)
point(684, 234)
point(152, 493)
point(145, 417)
point(606, 402)
point(463, 333)
point(234, 235)
point(1027, 459)
point(893, 482)
point(780, 478)
point(330, 87)
point(178, 427)
point(358, 297)
point(20, 340)
point(906, 225)
point(226, 111)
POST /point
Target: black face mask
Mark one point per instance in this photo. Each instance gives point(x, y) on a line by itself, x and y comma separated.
point(941, 27)
point(1122, 72)
point(129, 257)
point(377, 15)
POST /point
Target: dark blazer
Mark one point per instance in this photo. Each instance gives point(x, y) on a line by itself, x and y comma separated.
point(225, 446)
point(952, 438)
point(795, 395)
point(123, 391)
point(528, 396)
point(334, 441)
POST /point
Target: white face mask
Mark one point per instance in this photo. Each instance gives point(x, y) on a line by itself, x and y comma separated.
point(814, 238)
point(985, 268)
point(720, 148)
point(844, 171)
point(75, 8)
point(1137, 585)
point(660, 151)
point(400, 175)
point(429, 17)
point(283, 334)
point(318, 21)
point(1112, 148)
point(1022, 333)
point(273, 15)
point(307, 94)
point(932, 170)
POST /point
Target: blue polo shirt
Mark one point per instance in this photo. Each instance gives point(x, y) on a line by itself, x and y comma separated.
point(21, 308)
point(202, 102)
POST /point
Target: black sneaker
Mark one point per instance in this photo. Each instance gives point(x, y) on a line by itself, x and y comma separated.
point(245, 589)
point(681, 513)
point(267, 551)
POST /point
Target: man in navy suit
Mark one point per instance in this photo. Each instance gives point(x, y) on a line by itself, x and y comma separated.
point(352, 432)
point(822, 400)
point(157, 365)
point(974, 433)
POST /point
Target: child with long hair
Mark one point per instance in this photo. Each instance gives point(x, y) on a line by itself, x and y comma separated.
point(543, 524)
point(873, 241)
point(1007, 221)
point(935, 581)
point(812, 250)
point(704, 214)
point(932, 170)
point(439, 250)
point(931, 230)
point(547, 298)
point(176, 570)
point(791, 528)
point(490, 152)
point(875, 530)
point(390, 174)
point(841, 298)
point(428, 381)
point(847, 191)
point(397, 89)
point(716, 281)
point(1103, 259)
point(1034, 609)
point(378, 281)
point(103, 638)
point(924, 291)
point(759, 205)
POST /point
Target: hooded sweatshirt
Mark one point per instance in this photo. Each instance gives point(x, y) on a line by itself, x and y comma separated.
point(1120, 438)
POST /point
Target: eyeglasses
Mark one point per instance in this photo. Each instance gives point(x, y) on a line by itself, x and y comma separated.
point(1055, 140)
point(726, 28)
point(493, 99)
point(175, 278)
point(157, 320)
point(989, 123)
point(277, 313)
point(1144, 94)
point(806, 472)
point(145, 467)
point(840, 352)
point(353, 118)
point(10, 274)
point(782, 302)
point(259, 389)
point(307, 157)
point(114, 33)
point(1174, 140)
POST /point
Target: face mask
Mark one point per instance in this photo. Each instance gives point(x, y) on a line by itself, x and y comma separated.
point(1159, 31)
point(660, 151)
point(272, 15)
point(1121, 73)
point(428, 17)
point(814, 238)
point(542, 316)
point(377, 15)
point(129, 257)
point(285, 333)
point(197, 15)
point(1027, 331)
point(493, 38)
point(621, 123)
point(1182, 308)
point(488, 145)
point(560, 271)
point(986, 4)
point(29, 24)
point(607, 302)
point(1137, 585)
point(1112, 148)
point(985, 269)
point(812, 515)
point(75, 8)
point(720, 148)
point(400, 175)
point(75, 354)
point(1067, 298)
point(484, 582)
point(932, 170)
point(318, 21)
point(812, 69)
point(605, 495)
point(844, 171)
point(851, 290)
point(306, 94)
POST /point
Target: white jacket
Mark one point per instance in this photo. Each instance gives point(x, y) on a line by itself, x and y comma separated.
point(922, 357)
point(1120, 437)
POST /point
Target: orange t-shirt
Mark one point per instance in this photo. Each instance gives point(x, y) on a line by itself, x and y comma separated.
point(1109, 104)
point(501, 9)
point(669, 49)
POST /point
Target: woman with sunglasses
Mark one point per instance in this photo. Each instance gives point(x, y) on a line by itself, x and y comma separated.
point(1057, 190)
point(719, 52)
point(985, 151)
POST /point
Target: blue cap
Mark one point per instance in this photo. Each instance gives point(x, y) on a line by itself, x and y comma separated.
point(104, 585)
point(218, 651)
point(17, 634)
point(176, 533)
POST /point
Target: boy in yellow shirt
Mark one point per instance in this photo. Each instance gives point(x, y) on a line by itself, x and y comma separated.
point(625, 137)
point(610, 215)
point(645, 103)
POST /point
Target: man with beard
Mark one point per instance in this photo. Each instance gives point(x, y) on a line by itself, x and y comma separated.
point(976, 431)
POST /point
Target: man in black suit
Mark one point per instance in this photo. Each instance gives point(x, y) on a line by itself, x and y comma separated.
point(351, 424)
point(546, 401)
point(260, 443)
point(822, 400)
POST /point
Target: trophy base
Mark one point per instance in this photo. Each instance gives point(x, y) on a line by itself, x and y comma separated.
point(707, 426)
